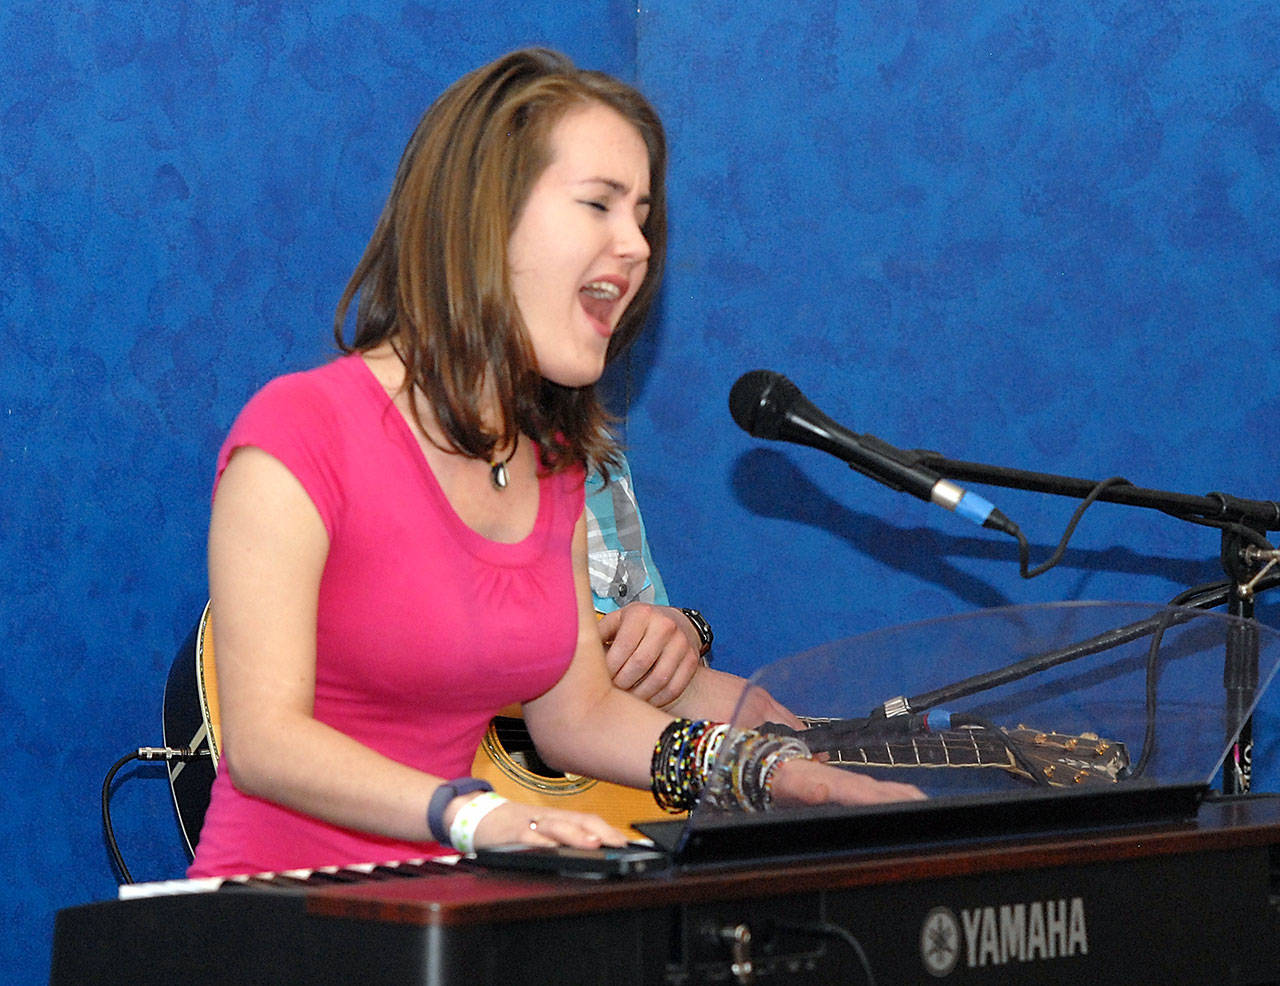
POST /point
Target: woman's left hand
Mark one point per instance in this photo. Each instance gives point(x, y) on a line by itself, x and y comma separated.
point(810, 782)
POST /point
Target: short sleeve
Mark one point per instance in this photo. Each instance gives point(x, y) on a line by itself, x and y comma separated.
point(295, 421)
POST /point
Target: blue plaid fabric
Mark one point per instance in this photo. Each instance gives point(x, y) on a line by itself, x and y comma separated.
point(622, 569)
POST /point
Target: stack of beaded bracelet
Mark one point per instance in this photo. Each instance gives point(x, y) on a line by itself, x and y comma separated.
point(743, 775)
point(691, 755)
point(682, 760)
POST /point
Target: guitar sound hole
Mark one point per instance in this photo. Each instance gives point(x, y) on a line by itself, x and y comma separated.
point(514, 736)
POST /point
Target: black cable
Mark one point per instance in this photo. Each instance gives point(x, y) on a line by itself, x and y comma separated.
point(1035, 664)
point(1038, 777)
point(145, 753)
point(1207, 596)
point(108, 831)
point(826, 929)
point(1149, 709)
point(1024, 549)
point(1242, 531)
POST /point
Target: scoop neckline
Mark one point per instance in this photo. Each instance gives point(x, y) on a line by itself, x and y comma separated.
point(507, 552)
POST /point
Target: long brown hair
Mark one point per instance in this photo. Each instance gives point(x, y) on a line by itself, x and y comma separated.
point(434, 281)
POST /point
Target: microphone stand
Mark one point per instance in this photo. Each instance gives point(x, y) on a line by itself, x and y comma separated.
point(1243, 523)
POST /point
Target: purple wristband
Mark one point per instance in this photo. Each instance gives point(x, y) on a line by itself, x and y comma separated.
point(440, 799)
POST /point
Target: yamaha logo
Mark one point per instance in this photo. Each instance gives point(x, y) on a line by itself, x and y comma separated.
point(940, 941)
point(993, 936)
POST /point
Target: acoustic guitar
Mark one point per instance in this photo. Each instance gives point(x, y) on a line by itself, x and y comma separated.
point(508, 760)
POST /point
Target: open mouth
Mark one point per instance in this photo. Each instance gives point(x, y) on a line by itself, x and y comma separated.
point(599, 298)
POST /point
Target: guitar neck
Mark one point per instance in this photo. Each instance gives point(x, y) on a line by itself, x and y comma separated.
point(1056, 759)
point(960, 748)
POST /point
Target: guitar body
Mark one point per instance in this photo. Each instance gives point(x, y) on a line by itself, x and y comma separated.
point(191, 722)
point(192, 719)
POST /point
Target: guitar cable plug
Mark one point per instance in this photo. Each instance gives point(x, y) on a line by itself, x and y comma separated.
point(167, 753)
point(149, 754)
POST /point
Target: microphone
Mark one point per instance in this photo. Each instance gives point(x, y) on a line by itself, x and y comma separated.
point(768, 405)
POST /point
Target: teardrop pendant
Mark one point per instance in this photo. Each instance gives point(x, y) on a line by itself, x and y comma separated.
point(498, 470)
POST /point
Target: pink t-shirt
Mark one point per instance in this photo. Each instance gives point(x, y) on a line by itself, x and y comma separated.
point(425, 629)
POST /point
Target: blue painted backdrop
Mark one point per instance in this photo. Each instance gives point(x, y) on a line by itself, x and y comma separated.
point(1026, 235)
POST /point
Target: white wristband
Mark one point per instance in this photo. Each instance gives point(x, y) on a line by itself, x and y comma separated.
point(462, 831)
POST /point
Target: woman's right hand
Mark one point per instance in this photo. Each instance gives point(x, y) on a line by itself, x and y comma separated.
point(514, 822)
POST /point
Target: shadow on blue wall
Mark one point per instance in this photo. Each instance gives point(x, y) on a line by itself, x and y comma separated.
point(768, 484)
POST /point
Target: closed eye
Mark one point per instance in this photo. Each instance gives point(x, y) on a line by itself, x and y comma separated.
point(601, 206)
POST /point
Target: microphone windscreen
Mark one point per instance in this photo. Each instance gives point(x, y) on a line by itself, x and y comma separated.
point(758, 401)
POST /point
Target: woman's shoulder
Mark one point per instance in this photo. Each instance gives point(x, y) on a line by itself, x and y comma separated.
point(321, 390)
point(304, 420)
point(302, 408)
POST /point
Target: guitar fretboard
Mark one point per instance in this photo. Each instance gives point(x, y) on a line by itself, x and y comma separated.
point(961, 748)
point(1058, 759)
